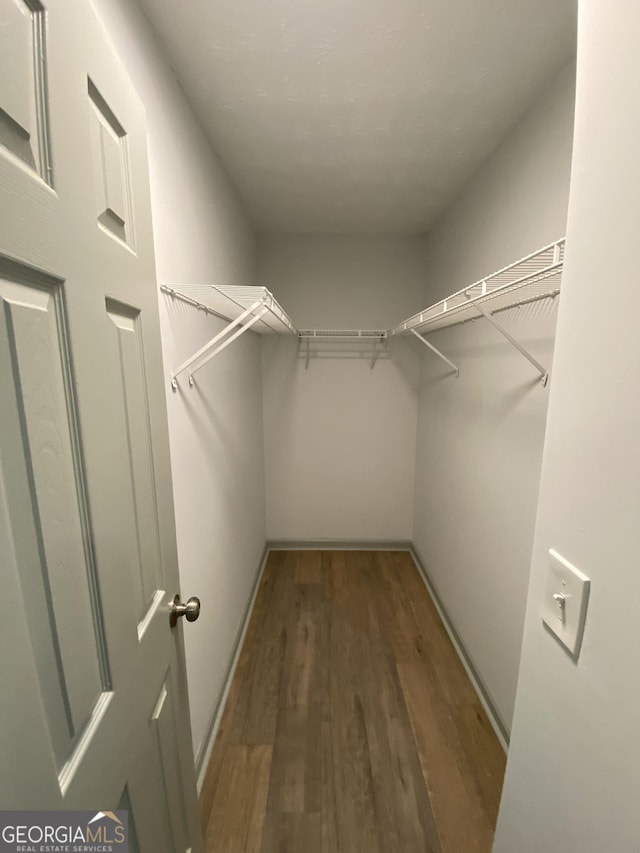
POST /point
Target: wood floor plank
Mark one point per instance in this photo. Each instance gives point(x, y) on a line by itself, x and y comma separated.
point(291, 775)
point(238, 724)
point(355, 798)
point(256, 712)
point(238, 812)
point(212, 776)
point(353, 783)
point(486, 763)
point(293, 833)
point(314, 744)
point(351, 725)
point(328, 804)
point(287, 791)
point(410, 823)
point(431, 645)
point(308, 567)
point(449, 778)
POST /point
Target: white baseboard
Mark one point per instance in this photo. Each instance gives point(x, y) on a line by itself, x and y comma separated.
point(339, 545)
point(204, 754)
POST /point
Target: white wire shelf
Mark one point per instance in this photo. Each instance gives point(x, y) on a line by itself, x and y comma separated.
point(538, 276)
point(371, 337)
point(535, 277)
point(230, 301)
point(344, 334)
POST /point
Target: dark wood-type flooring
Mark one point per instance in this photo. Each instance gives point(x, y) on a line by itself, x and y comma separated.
point(351, 725)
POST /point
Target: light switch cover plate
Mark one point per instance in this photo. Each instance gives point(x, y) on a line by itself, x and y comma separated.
point(565, 602)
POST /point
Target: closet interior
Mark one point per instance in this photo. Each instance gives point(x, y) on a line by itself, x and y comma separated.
point(340, 374)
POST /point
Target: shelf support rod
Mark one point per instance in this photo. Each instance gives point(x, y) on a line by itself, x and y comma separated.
point(239, 319)
point(544, 375)
point(436, 351)
point(306, 363)
point(374, 354)
point(228, 341)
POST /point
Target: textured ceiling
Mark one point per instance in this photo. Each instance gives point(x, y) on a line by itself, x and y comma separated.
point(359, 115)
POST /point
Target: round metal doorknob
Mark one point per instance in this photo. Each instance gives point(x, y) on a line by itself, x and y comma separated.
point(191, 610)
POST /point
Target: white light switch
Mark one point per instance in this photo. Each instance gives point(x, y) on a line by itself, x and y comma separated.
point(565, 602)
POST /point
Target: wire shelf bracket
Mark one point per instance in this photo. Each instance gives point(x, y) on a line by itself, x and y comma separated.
point(544, 373)
point(436, 351)
point(243, 308)
point(374, 354)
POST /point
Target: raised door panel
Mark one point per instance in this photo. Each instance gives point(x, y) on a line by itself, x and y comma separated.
point(128, 353)
point(29, 205)
point(162, 806)
point(50, 524)
point(24, 131)
point(112, 178)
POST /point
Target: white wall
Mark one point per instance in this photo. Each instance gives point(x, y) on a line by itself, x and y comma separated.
point(339, 437)
point(573, 774)
point(480, 437)
point(201, 235)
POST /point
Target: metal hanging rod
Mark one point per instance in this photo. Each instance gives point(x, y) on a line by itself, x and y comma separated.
point(375, 336)
point(343, 334)
point(184, 298)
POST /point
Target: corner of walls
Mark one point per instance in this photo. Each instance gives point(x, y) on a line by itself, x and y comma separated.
point(480, 436)
point(201, 235)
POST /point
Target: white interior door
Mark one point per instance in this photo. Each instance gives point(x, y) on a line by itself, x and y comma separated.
point(94, 710)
